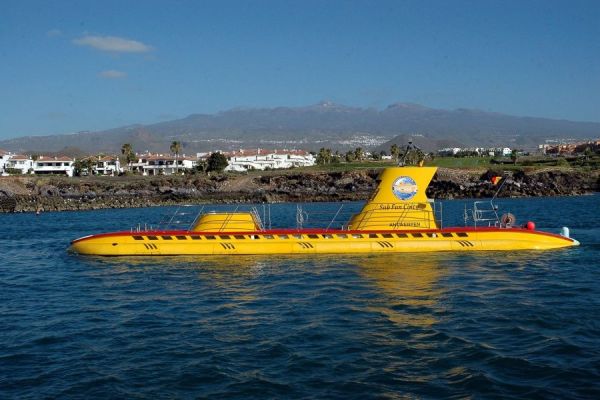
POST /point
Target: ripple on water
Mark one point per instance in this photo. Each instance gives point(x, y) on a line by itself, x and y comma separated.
point(523, 325)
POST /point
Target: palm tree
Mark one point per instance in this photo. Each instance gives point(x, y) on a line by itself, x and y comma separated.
point(324, 156)
point(176, 149)
point(514, 156)
point(359, 154)
point(395, 151)
point(127, 151)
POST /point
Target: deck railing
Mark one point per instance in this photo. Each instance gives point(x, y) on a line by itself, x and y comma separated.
point(483, 213)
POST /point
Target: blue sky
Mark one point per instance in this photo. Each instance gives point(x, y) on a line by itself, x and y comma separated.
point(68, 66)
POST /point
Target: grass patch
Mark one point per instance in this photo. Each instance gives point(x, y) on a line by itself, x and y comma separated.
point(460, 162)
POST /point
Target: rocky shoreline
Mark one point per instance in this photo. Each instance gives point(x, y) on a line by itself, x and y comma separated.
point(54, 193)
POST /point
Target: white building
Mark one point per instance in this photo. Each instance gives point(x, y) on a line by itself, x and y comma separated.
point(19, 162)
point(449, 151)
point(108, 165)
point(260, 159)
point(158, 164)
point(54, 165)
point(4, 157)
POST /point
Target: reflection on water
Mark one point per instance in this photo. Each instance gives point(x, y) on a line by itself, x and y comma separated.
point(410, 284)
point(452, 325)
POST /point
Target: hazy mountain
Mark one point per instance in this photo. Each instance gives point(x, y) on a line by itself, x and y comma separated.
point(427, 144)
point(322, 125)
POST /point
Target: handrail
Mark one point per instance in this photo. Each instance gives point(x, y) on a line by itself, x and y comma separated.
point(256, 215)
point(334, 217)
point(227, 219)
point(325, 219)
point(488, 215)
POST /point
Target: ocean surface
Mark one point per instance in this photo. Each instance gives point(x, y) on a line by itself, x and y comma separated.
point(520, 325)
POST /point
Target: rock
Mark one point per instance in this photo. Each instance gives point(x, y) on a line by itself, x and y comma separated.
point(49, 190)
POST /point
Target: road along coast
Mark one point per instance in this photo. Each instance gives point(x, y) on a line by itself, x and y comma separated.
point(57, 193)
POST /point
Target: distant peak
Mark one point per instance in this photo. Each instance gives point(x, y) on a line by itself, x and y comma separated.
point(327, 105)
point(464, 110)
point(407, 106)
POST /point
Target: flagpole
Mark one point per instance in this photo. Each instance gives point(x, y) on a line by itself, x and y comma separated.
point(504, 179)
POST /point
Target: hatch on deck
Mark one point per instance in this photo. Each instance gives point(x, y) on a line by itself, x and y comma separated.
point(227, 222)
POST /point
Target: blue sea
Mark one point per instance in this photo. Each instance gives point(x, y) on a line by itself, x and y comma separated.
point(520, 325)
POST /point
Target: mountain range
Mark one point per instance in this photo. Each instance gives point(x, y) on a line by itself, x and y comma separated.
point(324, 124)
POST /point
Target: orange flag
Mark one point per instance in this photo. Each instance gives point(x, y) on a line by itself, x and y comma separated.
point(495, 179)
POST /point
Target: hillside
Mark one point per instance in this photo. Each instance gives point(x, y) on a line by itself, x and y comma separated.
point(322, 125)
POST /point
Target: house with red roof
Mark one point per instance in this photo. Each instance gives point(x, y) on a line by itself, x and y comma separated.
point(21, 163)
point(108, 165)
point(54, 165)
point(261, 159)
point(160, 164)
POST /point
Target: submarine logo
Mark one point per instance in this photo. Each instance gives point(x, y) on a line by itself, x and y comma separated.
point(404, 188)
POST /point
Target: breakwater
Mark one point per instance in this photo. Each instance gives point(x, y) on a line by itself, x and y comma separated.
point(55, 193)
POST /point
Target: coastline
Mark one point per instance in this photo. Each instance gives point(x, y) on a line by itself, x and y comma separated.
point(56, 193)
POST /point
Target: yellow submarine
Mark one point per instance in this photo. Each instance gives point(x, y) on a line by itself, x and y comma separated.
point(398, 217)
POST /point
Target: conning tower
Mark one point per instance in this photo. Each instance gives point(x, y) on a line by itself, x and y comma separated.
point(399, 202)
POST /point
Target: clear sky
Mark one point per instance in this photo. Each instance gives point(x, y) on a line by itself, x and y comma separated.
point(68, 66)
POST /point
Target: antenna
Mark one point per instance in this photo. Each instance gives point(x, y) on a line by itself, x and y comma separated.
point(411, 148)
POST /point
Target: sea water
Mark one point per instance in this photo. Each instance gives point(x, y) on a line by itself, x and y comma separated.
point(448, 325)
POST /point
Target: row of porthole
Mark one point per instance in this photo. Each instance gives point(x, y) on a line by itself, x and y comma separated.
point(300, 236)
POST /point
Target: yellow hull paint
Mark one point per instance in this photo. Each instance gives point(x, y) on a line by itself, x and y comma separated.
point(397, 218)
point(338, 242)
